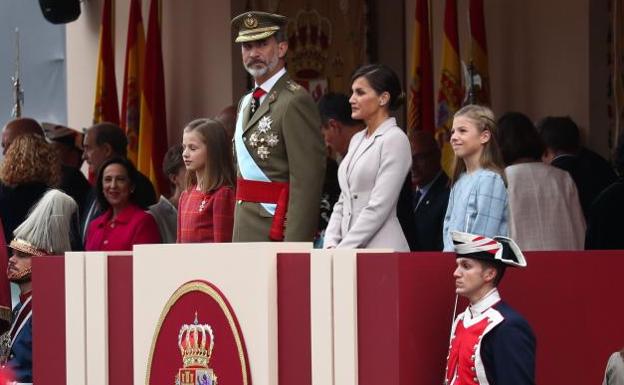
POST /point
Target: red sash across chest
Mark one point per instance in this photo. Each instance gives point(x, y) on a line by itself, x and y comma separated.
point(461, 360)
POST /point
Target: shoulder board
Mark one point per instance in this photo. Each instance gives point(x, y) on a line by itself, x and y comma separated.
point(293, 86)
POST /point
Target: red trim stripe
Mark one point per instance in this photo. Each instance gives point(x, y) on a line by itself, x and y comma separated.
point(293, 319)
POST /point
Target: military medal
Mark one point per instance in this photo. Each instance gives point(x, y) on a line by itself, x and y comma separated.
point(263, 139)
point(19, 321)
point(202, 205)
point(5, 347)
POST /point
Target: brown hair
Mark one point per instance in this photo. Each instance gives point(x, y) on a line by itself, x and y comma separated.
point(219, 170)
point(491, 158)
point(30, 159)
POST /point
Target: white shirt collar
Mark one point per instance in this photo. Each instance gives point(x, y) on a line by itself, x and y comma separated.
point(268, 85)
point(489, 300)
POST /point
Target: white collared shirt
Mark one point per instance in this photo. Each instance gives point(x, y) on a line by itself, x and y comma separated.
point(489, 300)
point(268, 85)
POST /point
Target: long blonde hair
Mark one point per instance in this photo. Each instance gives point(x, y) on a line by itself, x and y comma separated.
point(491, 158)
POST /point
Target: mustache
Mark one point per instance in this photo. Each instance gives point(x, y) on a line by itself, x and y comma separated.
point(254, 62)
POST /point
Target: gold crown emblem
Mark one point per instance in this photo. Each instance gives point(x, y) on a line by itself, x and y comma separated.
point(309, 37)
point(196, 342)
point(250, 21)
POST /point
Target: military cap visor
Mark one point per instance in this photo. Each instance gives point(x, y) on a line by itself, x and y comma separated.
point(254, 25)
point(499, 249)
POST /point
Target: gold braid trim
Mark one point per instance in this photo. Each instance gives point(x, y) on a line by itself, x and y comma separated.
point(26, 247)
point(5, 313)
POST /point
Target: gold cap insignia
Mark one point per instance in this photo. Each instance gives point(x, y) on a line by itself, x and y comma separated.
point(250, 21)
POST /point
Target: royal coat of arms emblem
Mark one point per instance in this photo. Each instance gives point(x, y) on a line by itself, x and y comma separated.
point(196, 342)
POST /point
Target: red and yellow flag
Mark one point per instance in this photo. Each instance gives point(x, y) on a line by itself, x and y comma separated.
point(420, 99)
point(450, 91)
point(133, 77)
point(153, 127)
point(106, 107)
point(478, 51)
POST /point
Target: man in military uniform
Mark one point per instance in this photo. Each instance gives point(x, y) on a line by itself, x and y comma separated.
point(279, 149)
point(490, 342)
point(44, 232)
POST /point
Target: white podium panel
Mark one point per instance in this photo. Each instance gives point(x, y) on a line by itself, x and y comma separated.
point(246, 274)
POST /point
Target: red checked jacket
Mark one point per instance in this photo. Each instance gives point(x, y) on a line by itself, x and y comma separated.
point(132, 226)
point(206, 217)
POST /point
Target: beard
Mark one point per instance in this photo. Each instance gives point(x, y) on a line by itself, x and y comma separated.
point(18, 276)
point(259, 71)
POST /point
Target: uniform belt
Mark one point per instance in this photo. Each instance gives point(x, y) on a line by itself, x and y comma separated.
point(267, 192)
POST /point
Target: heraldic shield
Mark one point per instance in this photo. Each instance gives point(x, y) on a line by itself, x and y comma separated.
point(211, 348)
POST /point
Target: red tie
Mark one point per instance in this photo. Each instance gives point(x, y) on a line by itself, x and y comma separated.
point(257, 94)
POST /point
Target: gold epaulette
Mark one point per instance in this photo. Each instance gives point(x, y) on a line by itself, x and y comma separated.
point(293, 86)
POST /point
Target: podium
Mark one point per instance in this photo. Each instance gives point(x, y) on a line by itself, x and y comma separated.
point(282, 313)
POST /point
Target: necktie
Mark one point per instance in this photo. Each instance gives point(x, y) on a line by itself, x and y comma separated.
point(257, 94)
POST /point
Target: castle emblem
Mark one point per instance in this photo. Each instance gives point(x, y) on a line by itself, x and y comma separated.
point(196, 342)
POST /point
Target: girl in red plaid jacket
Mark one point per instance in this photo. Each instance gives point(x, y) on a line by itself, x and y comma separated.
point(206, 208)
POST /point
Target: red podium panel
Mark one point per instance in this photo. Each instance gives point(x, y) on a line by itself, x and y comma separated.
point(49, 319)
point(293, 319)
point(120, 366)
point(405, 302)
point(570, 299)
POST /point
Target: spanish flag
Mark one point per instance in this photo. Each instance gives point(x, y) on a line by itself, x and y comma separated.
point(131, 100)
point(106, 107)
point(478, 50)
point(153, 127)
point(450, 91)
point(420, 102)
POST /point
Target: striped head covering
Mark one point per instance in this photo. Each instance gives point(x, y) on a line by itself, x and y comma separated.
point(499, 249)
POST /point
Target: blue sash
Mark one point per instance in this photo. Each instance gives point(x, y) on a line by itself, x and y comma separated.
point(246, 164)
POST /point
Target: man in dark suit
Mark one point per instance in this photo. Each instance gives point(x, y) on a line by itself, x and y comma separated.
point(102, 142)
point(591, 172)
point(430, 192)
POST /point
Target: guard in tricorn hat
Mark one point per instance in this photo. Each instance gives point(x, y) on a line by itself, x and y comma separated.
point(490, 342)
point(279, 149)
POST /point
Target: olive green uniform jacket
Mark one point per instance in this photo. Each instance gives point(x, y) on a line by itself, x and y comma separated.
point(297, 157)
